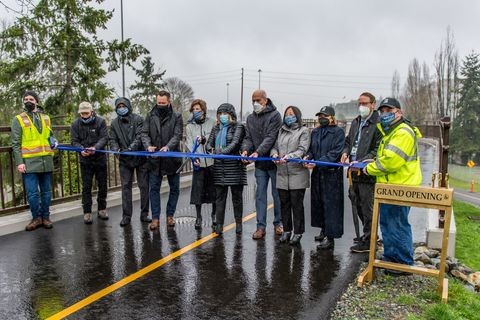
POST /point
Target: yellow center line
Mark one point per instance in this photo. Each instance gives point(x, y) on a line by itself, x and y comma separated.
point(140, 273)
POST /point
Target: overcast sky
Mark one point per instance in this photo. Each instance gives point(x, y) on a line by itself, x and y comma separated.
point(311, 53)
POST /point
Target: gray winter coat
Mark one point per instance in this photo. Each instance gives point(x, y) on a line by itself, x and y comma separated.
point(293, 142)
point(194, 130)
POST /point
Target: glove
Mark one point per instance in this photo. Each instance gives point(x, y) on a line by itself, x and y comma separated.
point(53, 142)
point(203, 140)
point(358, 165)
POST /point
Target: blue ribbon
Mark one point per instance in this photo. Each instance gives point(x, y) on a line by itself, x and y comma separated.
point(193, 155)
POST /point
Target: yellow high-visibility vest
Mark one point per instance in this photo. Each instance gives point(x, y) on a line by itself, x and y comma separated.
point(34, 143)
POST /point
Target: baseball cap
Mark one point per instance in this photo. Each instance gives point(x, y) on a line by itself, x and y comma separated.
point(329, 111)
point(85, 107)
point(390, 102)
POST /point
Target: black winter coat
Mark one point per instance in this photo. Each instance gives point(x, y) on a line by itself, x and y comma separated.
point(160, 133)
point(368, 145)
point(126, 135)
point(261, 133)
point(228, 172)
point(327, 182)
point(94, 134)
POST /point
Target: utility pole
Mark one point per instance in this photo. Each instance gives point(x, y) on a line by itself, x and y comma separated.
point(228, 85)
point(259, 71)
point(241, 100)
point(123, 60)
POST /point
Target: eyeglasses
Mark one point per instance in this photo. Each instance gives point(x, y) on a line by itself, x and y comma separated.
point(364, 103)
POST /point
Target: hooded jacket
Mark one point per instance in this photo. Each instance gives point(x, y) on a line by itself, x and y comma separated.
point(228, 172)
point(261, 133)
point(126, 135)
point(168, 132)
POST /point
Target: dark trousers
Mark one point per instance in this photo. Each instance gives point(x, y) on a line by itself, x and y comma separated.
point(126, 176)
point(99, 171)
point(221, 202)
point(361, 195)
point(155, 185)
point(292, 205)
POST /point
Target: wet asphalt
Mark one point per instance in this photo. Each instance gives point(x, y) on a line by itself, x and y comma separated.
point(232, 276)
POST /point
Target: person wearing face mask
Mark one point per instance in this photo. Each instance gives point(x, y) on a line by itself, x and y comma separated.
point(262, 129)
point(32, 145)
point(397, 162)
point(326, 144)
point(361, 144)
point(162, 131)
point(90, 133)
point(197, 131)
point(226, 138)
point(125, 135)
point(292, 178)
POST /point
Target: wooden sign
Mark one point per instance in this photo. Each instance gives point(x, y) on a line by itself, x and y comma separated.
point(414, 195)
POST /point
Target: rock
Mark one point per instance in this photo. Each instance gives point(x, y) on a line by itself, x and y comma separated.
point(420, 250)
point(419, 264)
point(424, 258)
point(474, 279)
point(432, 253)
point(469, 287)
point(437, 266)
point(464, 269)
point(459, 275)
point(435, 261)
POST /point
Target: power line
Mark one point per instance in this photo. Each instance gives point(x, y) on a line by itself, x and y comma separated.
point(318, 85)
point(322, 74)
point(208, 73)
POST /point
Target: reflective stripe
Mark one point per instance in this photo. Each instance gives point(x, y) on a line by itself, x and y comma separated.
point(400, 153)
point(46, 119)
point(25, 119)
point(379, 166)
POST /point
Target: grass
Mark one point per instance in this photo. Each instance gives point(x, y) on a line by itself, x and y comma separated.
point(468, 234)
point(463, 185)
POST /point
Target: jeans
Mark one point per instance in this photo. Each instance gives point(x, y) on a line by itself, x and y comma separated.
point(261, 177)
point(396, 233)
point(89, 170)
point(221, 200)
point(155, 185)
point(39, 201)
point(126, 176)
point(292, 205)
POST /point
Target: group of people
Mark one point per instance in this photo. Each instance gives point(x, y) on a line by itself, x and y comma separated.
point(379, 138)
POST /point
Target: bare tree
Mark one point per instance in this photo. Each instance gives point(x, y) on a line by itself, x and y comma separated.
point(181, 93)
point(446, 72)
point(419, 94)
point(396, 84)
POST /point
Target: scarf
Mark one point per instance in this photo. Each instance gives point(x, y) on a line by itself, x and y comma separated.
point(221, 140)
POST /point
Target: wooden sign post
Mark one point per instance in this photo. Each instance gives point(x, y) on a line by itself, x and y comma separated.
point(423, 197)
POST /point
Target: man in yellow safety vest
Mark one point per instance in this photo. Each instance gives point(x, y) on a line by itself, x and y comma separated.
point(33, 144)
point(397, 162)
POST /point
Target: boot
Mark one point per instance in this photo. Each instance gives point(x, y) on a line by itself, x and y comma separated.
point(326, 244)
point(219, 229)
point(321, 236)
point(238, 226)
point(285, 237)
point(198, 223)
point(295, 239)
point(214, 221)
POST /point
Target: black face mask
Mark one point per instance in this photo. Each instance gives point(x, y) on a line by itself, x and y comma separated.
point(162, 106)
point(29, 106)
point(324, 122)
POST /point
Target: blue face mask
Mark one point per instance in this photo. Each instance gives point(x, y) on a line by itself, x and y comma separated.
point(386, 119)
point(289, 120)
point(197, 115)
point(224, 119)
point(88, 120)
point(122, 111)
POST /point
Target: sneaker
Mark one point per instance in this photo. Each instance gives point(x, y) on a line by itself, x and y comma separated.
point(170, 221)
point(102, 214)
point(362, 246)
point(155, 224)
point(47, 224)
point(259, 234)
point(326, 244)
point(87, 218)
point(34, 224)
point(278, 229)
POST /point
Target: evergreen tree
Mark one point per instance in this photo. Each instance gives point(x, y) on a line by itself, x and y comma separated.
point(466, 129)
point(54, 49)
point(147, 86)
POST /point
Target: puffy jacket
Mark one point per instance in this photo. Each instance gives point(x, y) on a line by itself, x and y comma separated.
point(34, 164)
point(398, 161)
point(261, 133)
point(368, 145)
point(228, 172)
point(94, 134)
point(126, 135)
point(292, 142)
point(199, 129)
point(160, 133)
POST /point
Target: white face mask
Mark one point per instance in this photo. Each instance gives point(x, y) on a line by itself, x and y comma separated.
point(364, 111)
point(257, 107)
